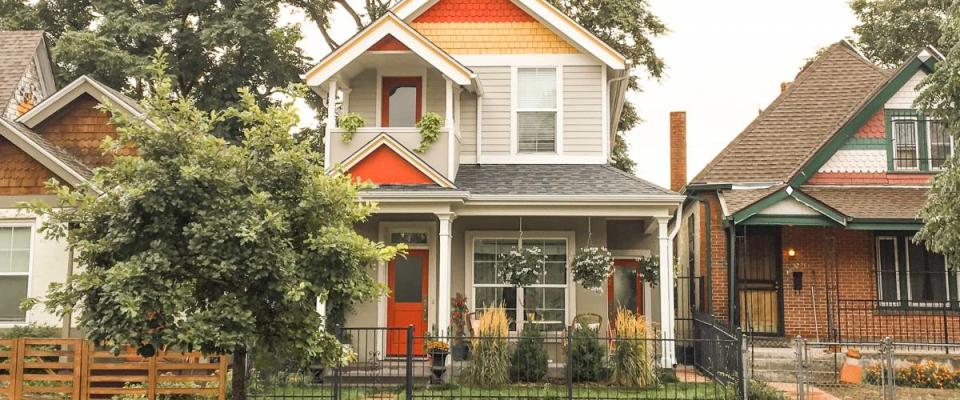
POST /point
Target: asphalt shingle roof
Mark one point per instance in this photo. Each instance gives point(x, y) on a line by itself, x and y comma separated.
point(871, 202)
point(736, 200)
point(553, 179)
point(826, 94)
point(17, 49)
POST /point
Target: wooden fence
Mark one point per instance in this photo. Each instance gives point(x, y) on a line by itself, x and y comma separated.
point(75, 369)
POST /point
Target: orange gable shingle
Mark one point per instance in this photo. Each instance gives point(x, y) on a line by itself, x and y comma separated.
point(79, 128)
point(389, 43)
point(474, 11)
point(20, 174)
point(385, 167)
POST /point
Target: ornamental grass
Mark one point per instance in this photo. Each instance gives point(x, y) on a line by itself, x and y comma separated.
point(633, 353)
point(490, 358)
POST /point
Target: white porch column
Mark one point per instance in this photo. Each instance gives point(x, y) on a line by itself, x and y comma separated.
point(449, 124)
point(443, 272)
point(667, 317)
point(331, 123)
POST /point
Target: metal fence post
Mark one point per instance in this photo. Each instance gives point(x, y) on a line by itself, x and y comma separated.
point(409, 380)
point(743, 371)
point(337, 369)
point(569, 363)
point(799, 350)
point(889, 371)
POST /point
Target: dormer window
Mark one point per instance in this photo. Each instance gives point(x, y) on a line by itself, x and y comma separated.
point(916, 142)
point(905, 139)
point(537, 110)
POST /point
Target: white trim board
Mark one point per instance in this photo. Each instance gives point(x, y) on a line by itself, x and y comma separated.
point(42, 155)
point(386, 140)
point(80, 86)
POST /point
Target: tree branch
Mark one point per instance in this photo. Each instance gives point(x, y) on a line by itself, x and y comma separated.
point(351, 11)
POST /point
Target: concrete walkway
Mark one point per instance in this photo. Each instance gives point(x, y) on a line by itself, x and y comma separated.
point(813, 392)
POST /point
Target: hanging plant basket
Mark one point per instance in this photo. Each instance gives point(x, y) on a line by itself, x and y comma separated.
point(523, 267)
point(592, 267)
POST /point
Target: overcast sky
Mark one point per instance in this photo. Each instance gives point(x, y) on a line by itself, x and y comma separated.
point(725, 62)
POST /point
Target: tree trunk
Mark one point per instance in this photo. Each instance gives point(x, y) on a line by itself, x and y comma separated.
point(240, 374)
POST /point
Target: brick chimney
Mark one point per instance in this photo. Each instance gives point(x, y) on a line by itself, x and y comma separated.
point(678, 150)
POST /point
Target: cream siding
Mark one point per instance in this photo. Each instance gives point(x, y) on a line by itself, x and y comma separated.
point(496, 110)
point(468, 125)
point(363, 96)
point(904, 97)
point(582, 110)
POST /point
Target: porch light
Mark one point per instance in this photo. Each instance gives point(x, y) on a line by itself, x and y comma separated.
point(791, 252)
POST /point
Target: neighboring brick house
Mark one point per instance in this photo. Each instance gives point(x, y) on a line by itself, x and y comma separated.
point(44, 134)
point(815, 204)
point(530, 102)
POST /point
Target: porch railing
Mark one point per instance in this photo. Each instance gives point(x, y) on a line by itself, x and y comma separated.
point(567, 364)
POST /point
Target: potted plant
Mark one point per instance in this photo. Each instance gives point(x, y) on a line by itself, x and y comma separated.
point(458, 314)
point(523, 267)
point(592, 267)
point(438, 351)
point(430, 124)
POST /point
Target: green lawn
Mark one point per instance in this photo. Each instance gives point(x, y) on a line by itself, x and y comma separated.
point(545, 391)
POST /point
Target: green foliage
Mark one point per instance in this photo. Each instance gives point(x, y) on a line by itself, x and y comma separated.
point(529, 361)
point(197, 243)
point(620, 155)
point(490, 357)
point(890, 31)
point(929, 374)
point(937, 99)
point(215, 48)
point(587, 356)
point(632, 359)
point(592, 267)
point(350, 122)
point(429, 124)
point(29, 331)
point(758, 390)
point(650, 270)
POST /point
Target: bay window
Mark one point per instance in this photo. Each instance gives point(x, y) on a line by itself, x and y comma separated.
point(545, 302)
point(14, 271)
point(536, 109)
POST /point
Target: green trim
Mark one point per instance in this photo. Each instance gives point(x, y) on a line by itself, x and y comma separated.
point(861, 117)
point(885, 224)
point(758, 206)
point(794, 220)
point(815, 204)
point(698, 187)
point(856, 143)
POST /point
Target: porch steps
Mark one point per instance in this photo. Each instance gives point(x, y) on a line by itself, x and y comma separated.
point(779, 364)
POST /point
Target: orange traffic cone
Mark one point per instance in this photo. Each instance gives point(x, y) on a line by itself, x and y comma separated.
point(851, 372)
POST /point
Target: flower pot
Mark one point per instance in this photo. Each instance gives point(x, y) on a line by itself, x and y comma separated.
point(316, 374)
point(460, 351)
point(438, 367)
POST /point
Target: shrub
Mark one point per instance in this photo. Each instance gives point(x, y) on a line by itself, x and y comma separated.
point(587, 355)
point(925, 375)
point(529, 361)
point(761, 391)
point(491, 354)
point(30, 331)
point(350, 122)
point(632, 358)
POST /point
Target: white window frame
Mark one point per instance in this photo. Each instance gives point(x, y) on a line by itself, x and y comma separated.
point(930, 146)
point(515, 109)
point(896, 269)
point(569, 288)
point(28, 274)
point(916, 141)
point(897, 240)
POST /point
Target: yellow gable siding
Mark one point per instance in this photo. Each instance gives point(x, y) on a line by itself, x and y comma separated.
point(494, 38)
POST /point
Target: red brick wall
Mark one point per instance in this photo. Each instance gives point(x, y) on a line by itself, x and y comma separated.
point(79, 128)
point(718, 249)
point(20, 174)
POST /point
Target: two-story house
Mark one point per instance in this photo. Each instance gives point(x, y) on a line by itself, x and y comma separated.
point(45, 134)
point(803, 225)
point(529, 103)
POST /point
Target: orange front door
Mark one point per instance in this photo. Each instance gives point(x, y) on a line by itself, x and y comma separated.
point(407, 304)
point(625, 289)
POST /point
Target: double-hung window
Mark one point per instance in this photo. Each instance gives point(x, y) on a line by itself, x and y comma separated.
point(537, 106)
point(14, 271)
point(543, 303)
point(910, 275)
point(906, 149)
point(940, 143)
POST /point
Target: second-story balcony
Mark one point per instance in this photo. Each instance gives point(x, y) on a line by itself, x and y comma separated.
point(436, 155)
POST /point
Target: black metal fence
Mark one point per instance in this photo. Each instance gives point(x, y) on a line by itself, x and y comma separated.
point(873, 320)
point(569, 364)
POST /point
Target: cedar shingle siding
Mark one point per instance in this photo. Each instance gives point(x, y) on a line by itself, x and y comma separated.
point(20, 174)
point(79, 128)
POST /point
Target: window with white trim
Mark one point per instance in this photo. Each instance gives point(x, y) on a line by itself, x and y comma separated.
point(906, 152)
point(545, 301)
point(537, 110)
point(940, 143)
point(910, 275)
point(14, 271)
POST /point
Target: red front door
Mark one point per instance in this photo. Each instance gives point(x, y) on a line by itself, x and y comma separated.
point(625, 289)
point(407, 304)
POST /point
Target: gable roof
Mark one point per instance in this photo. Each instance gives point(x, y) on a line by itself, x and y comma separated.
point(82, 85)
point(881, 202)
point(55, 159)
point(389, 25)
point(18, 49)
point(824, 96)
point(385, 140)
point(546, 14)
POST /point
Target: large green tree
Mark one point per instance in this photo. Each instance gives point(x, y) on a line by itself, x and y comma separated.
point(626, 25)
point(199, 243)
point(938, 98)
point(215, 47)
point(890, 31)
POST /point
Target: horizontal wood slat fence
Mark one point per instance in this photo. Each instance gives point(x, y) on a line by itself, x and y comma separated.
point(75, 369)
